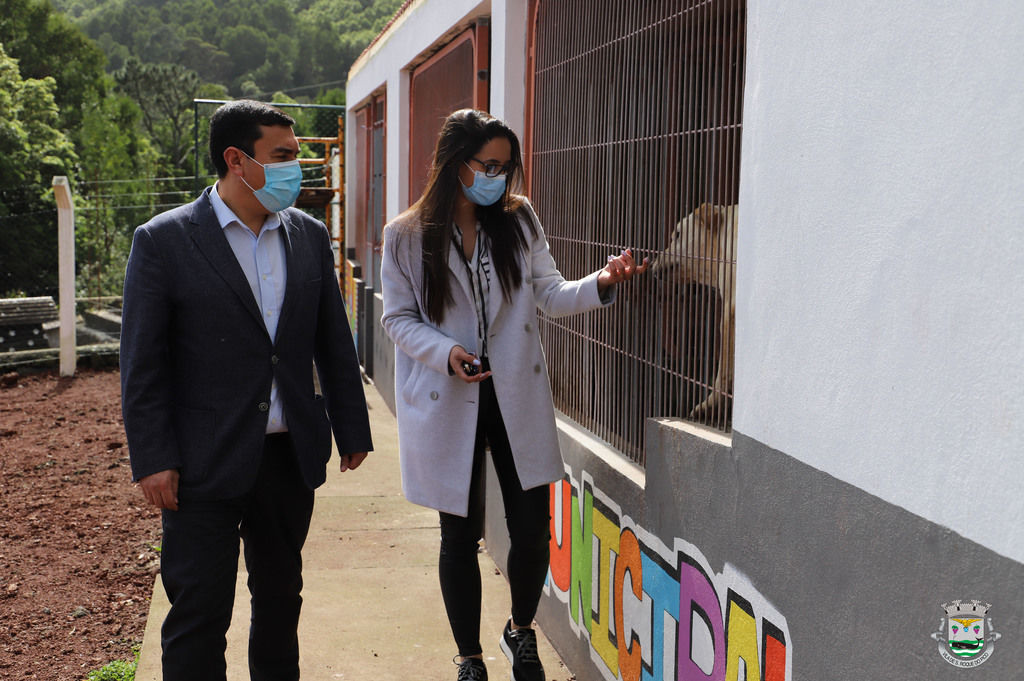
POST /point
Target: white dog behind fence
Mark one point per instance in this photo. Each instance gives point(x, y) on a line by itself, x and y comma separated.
point(702, 250)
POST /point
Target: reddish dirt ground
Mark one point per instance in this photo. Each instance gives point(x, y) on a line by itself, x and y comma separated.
point(77, 542)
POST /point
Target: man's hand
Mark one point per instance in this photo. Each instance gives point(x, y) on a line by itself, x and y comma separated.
point(352, 461)
point(161, 489)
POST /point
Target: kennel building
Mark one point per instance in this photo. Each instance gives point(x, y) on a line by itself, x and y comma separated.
point(801, 429)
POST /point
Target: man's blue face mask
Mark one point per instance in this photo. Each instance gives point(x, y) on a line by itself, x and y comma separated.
point(485, 190)
point(281, 184)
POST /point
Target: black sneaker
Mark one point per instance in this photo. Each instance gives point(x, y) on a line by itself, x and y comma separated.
point(520, 646)
point(471, 669)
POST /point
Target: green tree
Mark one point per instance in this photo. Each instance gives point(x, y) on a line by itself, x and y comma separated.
point(247, 47)
point(277, 18)
point(165, 93)
point(335, 32)
point(116, 192)
point(334, 96)
point(47, 44)
point(205, 58)
point(251, 46)
point(276, 73)
point(32, 150)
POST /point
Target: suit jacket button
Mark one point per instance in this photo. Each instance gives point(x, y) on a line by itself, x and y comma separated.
point(274, 359)
point(536, 368)
point(529, 328)
point(433, 395)
point(263, 406)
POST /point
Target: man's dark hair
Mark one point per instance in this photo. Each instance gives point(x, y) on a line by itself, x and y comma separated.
point(237, 124)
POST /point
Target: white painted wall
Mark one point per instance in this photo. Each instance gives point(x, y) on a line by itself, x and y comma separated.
point(508, 63)
point(386, 64)
point(880, 310)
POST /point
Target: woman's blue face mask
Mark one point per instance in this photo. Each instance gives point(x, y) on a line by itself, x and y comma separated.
point(485, 190)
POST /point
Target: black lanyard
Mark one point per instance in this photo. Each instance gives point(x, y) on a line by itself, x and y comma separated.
point(476, 285)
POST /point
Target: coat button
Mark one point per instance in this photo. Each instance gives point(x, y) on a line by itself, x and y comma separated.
point(263, 406)
point(433, 395)
point(529, 328)
point(536, 368)
point(274, 359)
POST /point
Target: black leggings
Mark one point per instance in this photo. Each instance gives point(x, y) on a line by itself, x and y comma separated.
point(527, 516)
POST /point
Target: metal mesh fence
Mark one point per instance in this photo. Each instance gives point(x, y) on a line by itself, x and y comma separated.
point(635, 144)
point(443, 84)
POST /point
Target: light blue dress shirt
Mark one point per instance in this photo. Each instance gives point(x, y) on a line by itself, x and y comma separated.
point(262, 259)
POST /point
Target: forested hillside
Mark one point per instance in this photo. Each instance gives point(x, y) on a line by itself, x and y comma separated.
point(248, 46)
point(102, 90)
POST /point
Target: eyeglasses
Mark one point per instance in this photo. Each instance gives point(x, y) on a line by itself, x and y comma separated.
point(493, 169)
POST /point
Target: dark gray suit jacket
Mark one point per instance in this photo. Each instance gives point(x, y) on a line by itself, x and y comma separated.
point(197, 362)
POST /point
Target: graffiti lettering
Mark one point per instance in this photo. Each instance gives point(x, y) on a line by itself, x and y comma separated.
point(654, 613)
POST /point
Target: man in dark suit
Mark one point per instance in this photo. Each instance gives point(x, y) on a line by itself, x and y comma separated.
point(228, 302)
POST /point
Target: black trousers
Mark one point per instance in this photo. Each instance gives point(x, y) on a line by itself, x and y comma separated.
point(527, 516)
point(199, 565)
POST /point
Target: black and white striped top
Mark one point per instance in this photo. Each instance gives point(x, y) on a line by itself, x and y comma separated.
point(479, 270)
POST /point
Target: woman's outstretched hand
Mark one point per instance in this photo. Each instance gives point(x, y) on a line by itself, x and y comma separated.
point(457, 356)
point(620, 268)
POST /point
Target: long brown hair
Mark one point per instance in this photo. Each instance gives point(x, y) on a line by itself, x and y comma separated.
point(463, 134)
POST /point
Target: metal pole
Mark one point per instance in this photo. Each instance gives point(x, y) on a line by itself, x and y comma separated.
point(195, 149)
point(66, 272)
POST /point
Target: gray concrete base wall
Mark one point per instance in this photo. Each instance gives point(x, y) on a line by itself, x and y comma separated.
point(383, 356)
point(777, 568)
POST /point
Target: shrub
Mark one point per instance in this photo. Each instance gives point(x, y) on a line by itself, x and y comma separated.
point(118, 670)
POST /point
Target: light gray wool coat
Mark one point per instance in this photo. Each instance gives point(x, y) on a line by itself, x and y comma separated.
point(437, 412)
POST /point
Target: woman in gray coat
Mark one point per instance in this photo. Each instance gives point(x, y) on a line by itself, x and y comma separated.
point(463, 272)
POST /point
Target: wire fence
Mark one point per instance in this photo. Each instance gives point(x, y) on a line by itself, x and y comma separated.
point(637, 111)
point(26, 268)
point(107, 211)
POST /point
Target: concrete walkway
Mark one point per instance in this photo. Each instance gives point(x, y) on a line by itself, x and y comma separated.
point(372, 606)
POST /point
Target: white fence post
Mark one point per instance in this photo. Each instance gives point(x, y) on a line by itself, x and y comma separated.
point(336, 227)
point(66, 272)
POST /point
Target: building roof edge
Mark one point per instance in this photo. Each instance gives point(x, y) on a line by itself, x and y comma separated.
point(358, 63)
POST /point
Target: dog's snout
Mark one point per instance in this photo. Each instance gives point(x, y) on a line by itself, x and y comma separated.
point(661, 264)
